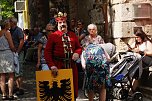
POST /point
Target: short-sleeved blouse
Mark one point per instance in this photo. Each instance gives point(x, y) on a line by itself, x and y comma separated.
point(87, 40)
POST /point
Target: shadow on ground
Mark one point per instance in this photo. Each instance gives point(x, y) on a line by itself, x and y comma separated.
point(29, 83)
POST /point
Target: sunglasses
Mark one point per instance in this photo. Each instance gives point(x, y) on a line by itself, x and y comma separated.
point(79, 24)
point(91, 29)
point(50, 30)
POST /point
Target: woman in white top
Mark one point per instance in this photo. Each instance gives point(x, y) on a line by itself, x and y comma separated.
point(143, 46)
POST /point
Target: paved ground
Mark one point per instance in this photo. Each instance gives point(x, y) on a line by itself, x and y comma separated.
point(30, 86)
point(81, 97)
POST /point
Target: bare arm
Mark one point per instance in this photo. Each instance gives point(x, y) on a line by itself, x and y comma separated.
point(10, 41)
point(148, 51)
point(20, 45)
point(107, 56)
point(39, 55)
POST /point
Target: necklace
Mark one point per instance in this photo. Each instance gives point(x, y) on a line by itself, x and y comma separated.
point(67, 49)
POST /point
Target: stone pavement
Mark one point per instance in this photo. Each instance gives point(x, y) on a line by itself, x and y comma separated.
point(29, 85)
point(81, 97)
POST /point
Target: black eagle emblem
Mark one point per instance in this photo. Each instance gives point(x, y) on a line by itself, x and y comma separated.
point(55, 93)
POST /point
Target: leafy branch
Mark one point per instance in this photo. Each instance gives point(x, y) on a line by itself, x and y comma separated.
point(7, 8)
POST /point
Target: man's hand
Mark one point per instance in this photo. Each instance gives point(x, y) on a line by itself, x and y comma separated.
point(38, 66)
point(54, 70)
point(75, 56)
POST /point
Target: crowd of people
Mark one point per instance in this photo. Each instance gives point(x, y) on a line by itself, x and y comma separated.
point(60, 47)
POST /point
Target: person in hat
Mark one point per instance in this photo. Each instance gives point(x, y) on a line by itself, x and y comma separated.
point(63, 49)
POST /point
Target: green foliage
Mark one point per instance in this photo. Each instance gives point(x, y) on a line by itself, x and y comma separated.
point(7, 7)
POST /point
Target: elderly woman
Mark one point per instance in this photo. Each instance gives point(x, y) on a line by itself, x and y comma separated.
point(6, 60)
point(93, 37)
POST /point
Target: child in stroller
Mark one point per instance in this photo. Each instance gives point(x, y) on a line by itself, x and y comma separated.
point(122, 75)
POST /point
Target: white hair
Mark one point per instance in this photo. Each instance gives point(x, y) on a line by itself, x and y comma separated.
point(92, 26)
point(14, 20)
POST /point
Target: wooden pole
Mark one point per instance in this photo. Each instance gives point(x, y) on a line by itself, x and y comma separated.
point(106, 21)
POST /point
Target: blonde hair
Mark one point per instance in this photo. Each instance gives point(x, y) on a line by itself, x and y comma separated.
point(4, 23)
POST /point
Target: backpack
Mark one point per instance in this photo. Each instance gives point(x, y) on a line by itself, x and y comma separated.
point(94, 54)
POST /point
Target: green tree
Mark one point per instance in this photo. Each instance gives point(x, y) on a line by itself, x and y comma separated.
point(7, 8)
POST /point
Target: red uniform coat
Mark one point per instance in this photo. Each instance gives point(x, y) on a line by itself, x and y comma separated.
point(54, 48)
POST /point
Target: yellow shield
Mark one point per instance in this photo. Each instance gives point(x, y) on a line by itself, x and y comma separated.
point(58, 88)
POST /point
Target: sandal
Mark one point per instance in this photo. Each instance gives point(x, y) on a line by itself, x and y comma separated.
point(4, 97)
point(11, 97)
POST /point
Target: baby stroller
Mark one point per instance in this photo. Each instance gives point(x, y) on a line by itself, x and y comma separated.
point(122, 75)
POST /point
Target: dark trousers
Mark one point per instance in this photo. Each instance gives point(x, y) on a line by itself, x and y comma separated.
point(147, 61)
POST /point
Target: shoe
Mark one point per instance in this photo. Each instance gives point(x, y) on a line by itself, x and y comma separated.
point(4, 97)
point(20, 92)
point(15, 96)
point(12, 97)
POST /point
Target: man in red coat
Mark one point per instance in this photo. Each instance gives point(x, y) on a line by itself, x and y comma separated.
point(63, 49)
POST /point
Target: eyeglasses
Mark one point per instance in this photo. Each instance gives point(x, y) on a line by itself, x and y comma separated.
point(79, 24)
point(91, 29)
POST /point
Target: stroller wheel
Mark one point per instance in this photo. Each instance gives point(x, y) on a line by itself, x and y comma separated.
point(137, 96)
point(96, 95)
point(109, 100)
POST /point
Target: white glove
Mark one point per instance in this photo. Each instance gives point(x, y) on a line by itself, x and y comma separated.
point(54, 68)
point(75, 56)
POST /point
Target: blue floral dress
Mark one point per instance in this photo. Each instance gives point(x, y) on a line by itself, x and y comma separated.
point(97, 67)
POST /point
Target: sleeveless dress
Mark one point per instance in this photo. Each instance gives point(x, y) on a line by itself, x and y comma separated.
point(6, 56)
